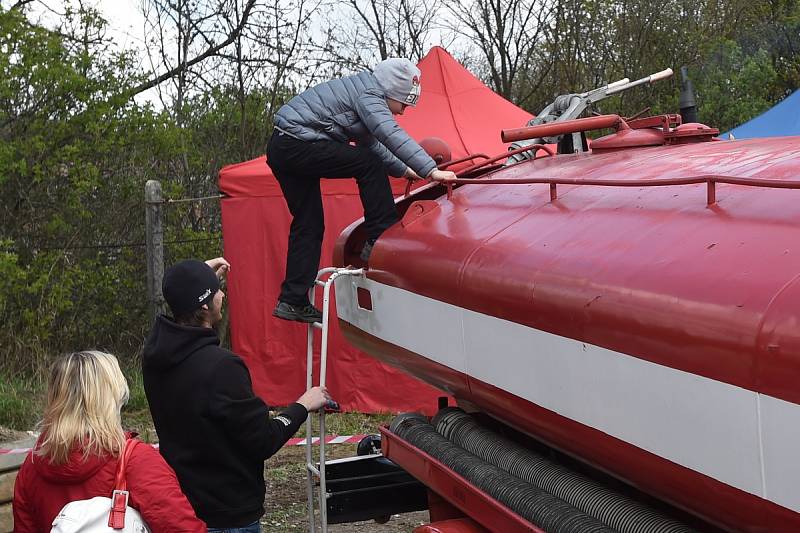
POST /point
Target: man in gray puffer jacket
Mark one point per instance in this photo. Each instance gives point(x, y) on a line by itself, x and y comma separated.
point(312, 139)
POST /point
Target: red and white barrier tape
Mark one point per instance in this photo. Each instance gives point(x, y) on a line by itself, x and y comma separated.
point(14, 450)
point(297, 441)
point(330, 439)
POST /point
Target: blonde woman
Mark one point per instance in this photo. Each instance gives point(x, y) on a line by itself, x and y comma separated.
point(77, 453)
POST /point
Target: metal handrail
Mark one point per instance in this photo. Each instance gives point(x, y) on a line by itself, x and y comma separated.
point(445, 165)
point(470, 157)
point(710, 179)
point(487, 160)
point(528, 148)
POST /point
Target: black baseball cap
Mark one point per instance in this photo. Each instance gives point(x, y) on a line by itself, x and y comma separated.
point(189, 285)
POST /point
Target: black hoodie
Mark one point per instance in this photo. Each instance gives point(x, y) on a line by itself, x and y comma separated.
point(212, 430)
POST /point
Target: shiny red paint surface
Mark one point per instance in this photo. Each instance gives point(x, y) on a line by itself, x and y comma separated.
point(711, 500)
point(652, 272)
point(636, 270)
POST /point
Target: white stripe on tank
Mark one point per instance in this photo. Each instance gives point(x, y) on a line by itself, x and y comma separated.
point(739, 437)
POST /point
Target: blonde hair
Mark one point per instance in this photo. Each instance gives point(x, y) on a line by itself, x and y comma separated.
point(85, 393)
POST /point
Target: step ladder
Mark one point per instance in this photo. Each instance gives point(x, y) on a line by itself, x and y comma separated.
point(325, 278)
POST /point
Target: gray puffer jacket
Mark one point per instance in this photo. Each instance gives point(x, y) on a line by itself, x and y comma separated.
point(353, 109)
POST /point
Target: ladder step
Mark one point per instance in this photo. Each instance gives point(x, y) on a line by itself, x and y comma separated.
point(317, 325)
point(313, 469)
point(319, 283)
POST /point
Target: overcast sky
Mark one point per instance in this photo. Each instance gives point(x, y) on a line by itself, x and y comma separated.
point(125, 26)
point(125, 18)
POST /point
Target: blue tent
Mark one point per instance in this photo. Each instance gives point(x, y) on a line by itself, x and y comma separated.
point(779, 121)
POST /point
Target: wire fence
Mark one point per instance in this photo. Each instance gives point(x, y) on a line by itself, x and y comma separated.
point(124, 245)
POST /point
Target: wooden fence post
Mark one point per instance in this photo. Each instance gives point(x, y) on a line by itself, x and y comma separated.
point(154, 244)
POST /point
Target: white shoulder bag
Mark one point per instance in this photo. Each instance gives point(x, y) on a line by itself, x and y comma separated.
point(103, 514)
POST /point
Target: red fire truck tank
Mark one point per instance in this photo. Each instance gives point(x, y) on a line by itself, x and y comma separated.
point(636, 306)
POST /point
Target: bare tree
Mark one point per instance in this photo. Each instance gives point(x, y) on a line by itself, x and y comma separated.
point(186, 42)
point(200, 30)
point(510, 37)
point(283, 50)
point(249, 44)
point(237, 60)
point(20, 4)
point(367, 31)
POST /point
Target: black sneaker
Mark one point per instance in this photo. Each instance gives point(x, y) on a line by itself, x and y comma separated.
point(366, 251)
point(299, 313)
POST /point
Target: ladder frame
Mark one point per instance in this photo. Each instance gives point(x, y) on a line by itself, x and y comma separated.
point(312, 470)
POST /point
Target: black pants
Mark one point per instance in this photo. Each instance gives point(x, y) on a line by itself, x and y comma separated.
point(298, 166)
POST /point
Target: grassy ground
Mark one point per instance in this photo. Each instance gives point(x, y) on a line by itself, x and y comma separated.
point(22, 401)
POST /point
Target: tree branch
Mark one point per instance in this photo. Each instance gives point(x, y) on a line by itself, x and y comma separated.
point(183, 66)
point(20, 4)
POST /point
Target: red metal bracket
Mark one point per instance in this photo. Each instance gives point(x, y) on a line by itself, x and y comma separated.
point(665, 122)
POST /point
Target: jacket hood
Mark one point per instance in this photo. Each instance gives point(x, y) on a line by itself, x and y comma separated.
point(399, 79)
point(77, 469)
point(170, 343)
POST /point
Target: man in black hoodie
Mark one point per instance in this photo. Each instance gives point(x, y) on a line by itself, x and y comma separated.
point(212, 429)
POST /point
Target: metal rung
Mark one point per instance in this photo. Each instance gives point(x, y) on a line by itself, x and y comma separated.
point(317, 325)
point(313, 469)
point(319, 283)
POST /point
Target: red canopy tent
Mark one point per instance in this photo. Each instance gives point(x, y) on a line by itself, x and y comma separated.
point(454, 106)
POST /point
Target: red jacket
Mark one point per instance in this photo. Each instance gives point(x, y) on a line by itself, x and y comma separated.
point(43, 489)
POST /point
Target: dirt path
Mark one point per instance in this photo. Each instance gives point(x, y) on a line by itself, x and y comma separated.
point(9, 435)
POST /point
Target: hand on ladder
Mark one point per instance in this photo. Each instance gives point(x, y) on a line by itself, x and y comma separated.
point(316, 398)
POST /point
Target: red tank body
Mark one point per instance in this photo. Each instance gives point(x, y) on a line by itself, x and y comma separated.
point(640, 329)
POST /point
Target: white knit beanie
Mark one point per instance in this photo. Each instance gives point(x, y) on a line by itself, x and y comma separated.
point(399, 79)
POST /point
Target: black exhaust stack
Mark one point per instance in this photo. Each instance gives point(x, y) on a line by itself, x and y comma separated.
point(687, 102)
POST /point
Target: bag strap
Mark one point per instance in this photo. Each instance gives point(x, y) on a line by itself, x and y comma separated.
point(120, 482)
point(119, 498)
